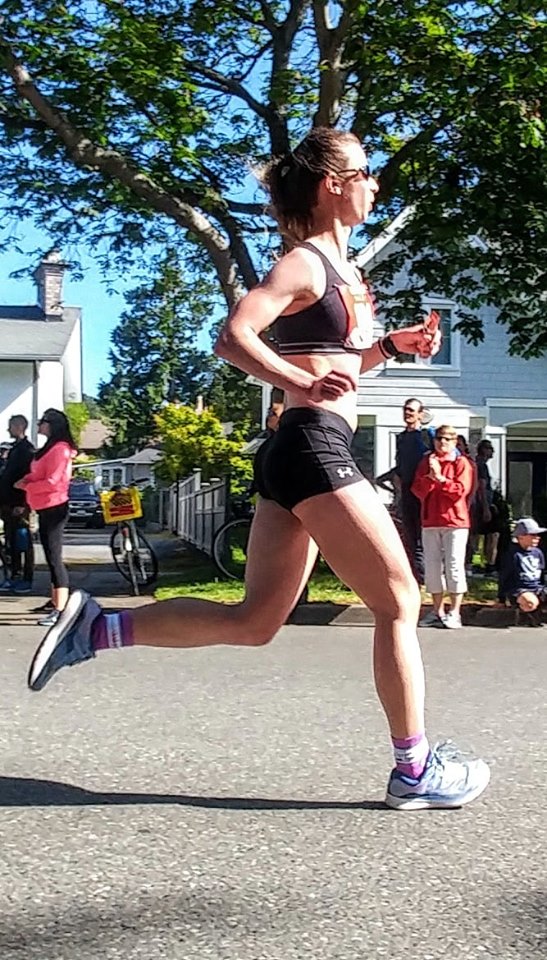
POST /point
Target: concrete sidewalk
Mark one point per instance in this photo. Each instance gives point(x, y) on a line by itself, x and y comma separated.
point(92, 569)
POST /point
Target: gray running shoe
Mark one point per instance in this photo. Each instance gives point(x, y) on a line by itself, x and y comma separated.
point(67, 642)
point(447, 781)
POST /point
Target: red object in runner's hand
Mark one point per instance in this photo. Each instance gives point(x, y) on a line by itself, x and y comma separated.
point(431, 322)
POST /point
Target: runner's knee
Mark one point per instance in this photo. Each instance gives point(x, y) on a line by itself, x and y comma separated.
point(400, 602)
point(255, 628)
point(256, 635)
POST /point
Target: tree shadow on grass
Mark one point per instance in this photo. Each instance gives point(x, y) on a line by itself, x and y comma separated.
point(26, 792)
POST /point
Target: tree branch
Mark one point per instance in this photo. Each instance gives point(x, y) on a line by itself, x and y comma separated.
point(249, 209)
point(269, 20)
point(230, 85)
point(252, 62)
point(333, 72)
point(391, 170)
point(283, 38)
point(113, 165)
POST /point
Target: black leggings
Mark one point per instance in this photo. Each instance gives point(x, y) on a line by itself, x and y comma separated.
point(52, 522)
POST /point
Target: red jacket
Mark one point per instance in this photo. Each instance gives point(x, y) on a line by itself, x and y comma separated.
point(47, 483)
point(444, 504)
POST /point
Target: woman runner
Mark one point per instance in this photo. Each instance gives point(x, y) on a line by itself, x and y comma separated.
point(313, 495)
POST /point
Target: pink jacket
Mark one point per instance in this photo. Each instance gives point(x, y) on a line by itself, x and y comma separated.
point(47, 483)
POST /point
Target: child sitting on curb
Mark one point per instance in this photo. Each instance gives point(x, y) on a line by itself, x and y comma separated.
point(523, 569)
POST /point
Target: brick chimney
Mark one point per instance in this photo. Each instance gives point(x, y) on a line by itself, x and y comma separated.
point(49, 280)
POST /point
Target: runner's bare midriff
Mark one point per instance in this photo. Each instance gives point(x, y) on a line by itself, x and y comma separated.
point(319, 365)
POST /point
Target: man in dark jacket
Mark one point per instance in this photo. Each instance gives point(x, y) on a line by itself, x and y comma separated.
point(15, 511)
point(411, 446)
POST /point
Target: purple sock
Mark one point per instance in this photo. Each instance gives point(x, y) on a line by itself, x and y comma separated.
point(411, 755)
point(112, 630)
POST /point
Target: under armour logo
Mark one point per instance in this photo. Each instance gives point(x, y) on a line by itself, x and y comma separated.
point(344, 472)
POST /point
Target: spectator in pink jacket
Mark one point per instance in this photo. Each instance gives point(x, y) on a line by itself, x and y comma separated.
point(46, 487)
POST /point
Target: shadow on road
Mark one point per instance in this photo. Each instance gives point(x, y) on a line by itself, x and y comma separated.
point(25, 792)
point(525, 915)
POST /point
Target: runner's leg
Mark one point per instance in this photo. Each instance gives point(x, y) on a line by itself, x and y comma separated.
point(356, 536)
point(358, 539)
point(280, 558)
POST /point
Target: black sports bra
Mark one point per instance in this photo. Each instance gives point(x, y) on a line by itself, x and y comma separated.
point(339, 322)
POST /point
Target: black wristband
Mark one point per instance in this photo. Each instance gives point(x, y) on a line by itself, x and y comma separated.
point(387, 347)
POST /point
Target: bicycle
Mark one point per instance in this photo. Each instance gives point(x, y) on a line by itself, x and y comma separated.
point(132, 554)
point(230, 545)
point(229, 549)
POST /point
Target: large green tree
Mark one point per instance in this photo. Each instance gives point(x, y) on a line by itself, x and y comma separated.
point(133, 122)
point(153, 357)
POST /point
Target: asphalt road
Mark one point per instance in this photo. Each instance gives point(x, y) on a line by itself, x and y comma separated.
point(227, 804)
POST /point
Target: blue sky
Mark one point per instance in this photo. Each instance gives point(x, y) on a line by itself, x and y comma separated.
point(100, 310)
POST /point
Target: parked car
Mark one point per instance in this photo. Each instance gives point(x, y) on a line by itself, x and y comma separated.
point(84, 504)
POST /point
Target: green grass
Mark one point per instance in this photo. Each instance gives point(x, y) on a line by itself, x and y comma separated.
point(196, 577)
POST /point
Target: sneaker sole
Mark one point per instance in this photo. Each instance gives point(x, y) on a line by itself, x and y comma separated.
point(55, 634)
point(422, 803)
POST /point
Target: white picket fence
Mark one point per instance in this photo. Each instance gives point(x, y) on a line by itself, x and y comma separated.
point(198, 509)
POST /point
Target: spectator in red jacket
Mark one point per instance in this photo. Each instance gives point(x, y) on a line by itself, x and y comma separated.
point(443, 483)
point(46, 487)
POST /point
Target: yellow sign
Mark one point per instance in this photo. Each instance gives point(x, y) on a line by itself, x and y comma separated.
point(123, 504)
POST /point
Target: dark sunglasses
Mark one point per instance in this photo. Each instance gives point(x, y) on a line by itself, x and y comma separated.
point(365, 171)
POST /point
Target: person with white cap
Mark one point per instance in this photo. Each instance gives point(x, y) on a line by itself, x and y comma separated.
point(523, 570)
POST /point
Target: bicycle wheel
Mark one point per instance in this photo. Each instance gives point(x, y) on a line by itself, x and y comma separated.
point(146, 561)
point(230, 548)
point(133, 556)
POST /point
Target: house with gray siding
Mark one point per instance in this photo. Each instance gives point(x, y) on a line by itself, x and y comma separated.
point(40, 350)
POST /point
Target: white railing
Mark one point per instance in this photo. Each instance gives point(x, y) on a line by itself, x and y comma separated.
point(198, 509)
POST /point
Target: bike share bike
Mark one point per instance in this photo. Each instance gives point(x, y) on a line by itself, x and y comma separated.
point(132, 554)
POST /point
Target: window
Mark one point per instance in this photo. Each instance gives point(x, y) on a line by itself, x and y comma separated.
point(117, 476)
point(362, 449)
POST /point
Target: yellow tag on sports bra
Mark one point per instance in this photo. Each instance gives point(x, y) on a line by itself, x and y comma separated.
point(360, 315)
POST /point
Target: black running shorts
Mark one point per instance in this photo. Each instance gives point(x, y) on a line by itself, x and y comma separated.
point(309, 454)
